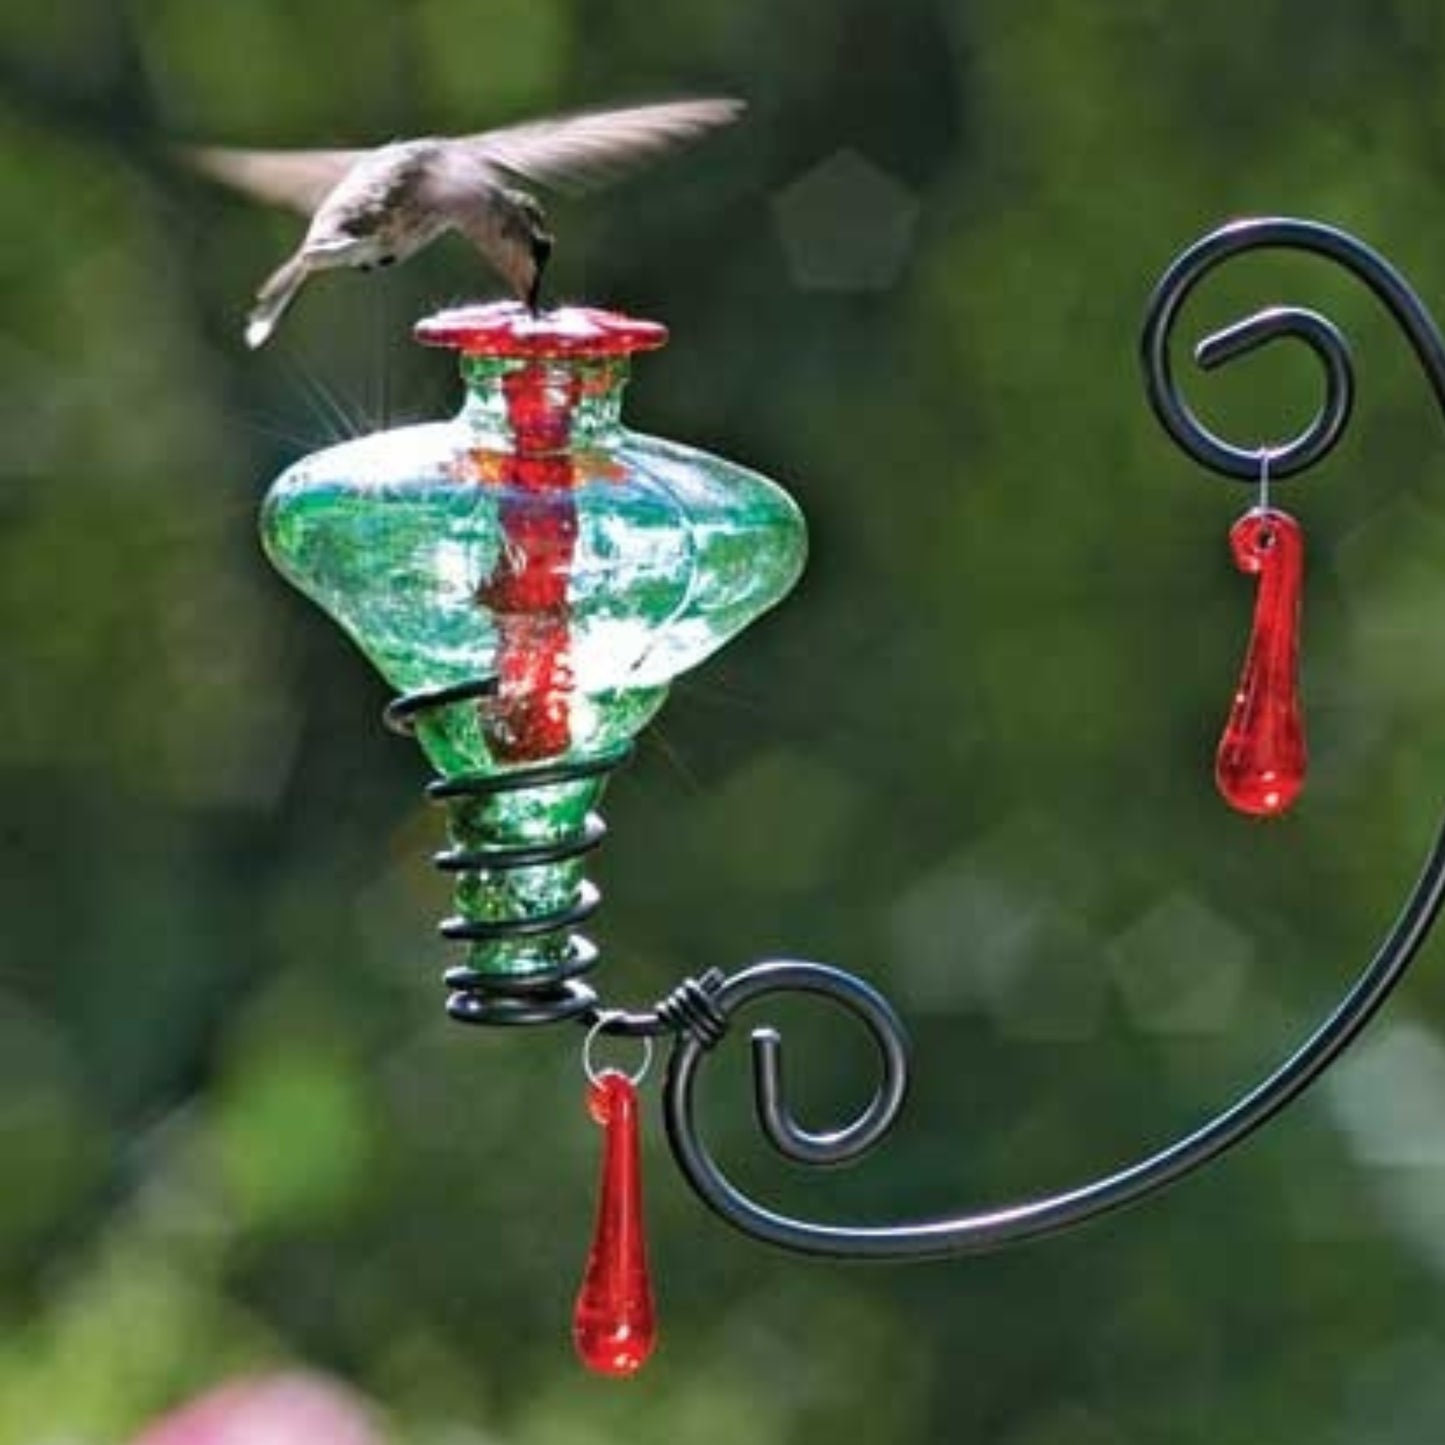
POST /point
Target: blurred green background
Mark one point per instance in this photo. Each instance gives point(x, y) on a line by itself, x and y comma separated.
point(970, 759)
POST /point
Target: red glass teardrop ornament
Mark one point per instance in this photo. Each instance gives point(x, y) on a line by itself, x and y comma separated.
point(1260, 766)
point(613, 1325)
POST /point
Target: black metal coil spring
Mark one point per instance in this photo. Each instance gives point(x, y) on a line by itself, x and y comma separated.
point(538, 996)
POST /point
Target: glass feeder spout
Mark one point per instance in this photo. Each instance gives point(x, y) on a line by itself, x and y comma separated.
point(531, 575)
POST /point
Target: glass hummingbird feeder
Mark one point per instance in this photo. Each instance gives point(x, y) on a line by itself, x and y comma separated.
point(531, 575)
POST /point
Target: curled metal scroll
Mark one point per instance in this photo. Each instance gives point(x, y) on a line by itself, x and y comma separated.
point(1320, 335)
point(715, 999)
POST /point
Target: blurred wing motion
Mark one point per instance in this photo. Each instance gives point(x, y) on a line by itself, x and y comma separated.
point(300, 180)
point(569, 152)
point(575, 151)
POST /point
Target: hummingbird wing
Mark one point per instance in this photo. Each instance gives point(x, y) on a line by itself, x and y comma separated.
point(300, 180)
point(572, 152)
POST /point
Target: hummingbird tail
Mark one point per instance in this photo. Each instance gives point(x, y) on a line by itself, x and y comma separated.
point(273, 298)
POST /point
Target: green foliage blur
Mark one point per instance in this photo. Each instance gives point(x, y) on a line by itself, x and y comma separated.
point(970, 759)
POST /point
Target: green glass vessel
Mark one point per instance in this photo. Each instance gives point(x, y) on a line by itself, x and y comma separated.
point(532, 575)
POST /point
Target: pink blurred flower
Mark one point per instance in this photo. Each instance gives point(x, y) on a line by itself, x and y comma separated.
point(290, 1409)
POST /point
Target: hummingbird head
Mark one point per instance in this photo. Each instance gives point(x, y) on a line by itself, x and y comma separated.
point(527, 245)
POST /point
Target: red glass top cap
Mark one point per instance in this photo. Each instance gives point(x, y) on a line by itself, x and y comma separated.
point(507, 328)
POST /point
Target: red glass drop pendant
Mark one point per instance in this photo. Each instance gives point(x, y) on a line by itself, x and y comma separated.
point(613, 1325)
point(1260, 766)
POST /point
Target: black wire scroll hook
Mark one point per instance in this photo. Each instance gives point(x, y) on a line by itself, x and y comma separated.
point(865, 1003)
point(1046, 1214)
point(1320, 335)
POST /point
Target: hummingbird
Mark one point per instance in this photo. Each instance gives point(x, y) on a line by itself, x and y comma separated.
point(370, 208)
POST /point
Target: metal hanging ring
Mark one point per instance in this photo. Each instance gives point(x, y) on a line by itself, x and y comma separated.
point(594, 1074)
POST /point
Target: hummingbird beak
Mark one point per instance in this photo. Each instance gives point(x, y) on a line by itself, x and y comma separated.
point(541, 254)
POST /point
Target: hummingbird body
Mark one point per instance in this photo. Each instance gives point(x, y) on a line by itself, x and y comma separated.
point(377, 210)
point(377, 207)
